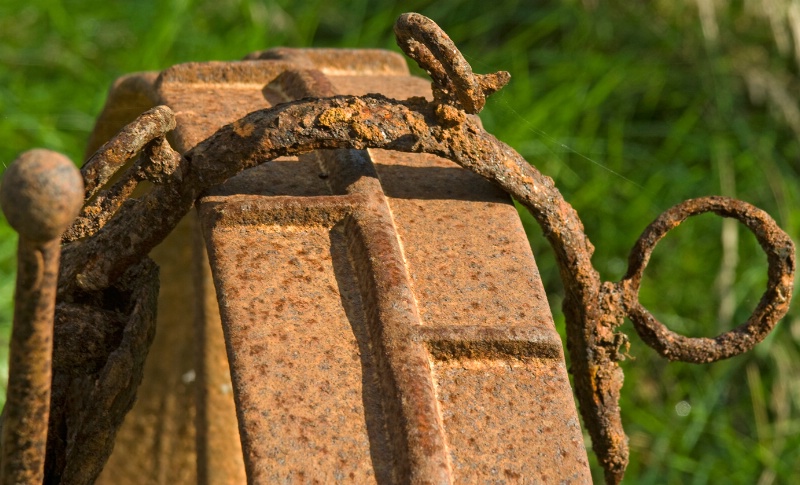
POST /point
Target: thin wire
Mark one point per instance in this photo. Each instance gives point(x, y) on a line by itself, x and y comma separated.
point(501, 96)
point(554, 141)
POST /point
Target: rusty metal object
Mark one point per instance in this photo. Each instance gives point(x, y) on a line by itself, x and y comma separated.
point(773, 304)
point(100, 347)
point(414, 125)
point(219, 457)
point(113, 156)
point(74, 366)
point(430, 433)
point(250, 236)
point(40, 195)
point(453, 80)
point(156, 442)
point(444, 127)
point(157, 162)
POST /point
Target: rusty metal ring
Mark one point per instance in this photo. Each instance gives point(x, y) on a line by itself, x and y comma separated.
point(433, 50)
point(773, 304)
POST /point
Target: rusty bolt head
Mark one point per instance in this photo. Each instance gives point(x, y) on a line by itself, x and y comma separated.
point(41, 194)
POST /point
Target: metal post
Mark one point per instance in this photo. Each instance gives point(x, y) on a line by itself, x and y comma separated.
point(41, 194)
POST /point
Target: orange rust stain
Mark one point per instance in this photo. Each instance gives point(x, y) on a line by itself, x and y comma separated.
point(243, 129)
point(334, 115)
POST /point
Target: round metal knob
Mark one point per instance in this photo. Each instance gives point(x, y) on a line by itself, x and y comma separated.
point(41, 194)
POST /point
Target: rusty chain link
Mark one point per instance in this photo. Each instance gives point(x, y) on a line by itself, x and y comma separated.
point(780, 258)
point(114, 232)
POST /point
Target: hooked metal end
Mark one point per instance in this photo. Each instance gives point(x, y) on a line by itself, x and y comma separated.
point(453, 80)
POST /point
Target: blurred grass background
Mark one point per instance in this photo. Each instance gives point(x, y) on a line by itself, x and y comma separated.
point(631, 107)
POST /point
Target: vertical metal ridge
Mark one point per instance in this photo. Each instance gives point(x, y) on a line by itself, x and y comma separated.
point(392, 315)
point(418, 438)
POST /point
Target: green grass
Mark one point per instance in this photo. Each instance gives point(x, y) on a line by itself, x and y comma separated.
point(628, 106)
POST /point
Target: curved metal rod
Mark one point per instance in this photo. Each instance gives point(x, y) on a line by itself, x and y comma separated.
point(113, 155)
point(592, 309)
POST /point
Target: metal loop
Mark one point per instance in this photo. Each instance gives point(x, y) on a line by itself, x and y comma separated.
point(773, 305)
point(425, 42)
point(115, 153)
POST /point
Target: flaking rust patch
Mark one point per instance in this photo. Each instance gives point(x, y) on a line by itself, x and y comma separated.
point(243, 128)
point(334, 115)
point(370, 132)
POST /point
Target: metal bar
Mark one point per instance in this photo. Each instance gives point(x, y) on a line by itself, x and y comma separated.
point(41, 194)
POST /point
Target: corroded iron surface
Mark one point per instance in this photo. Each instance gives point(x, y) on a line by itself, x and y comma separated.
point(362, 345)
point(157, 161)
point(99, 354)
point(454, 83)
point(41, 194)
point(425, 368)
point(74, 366)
